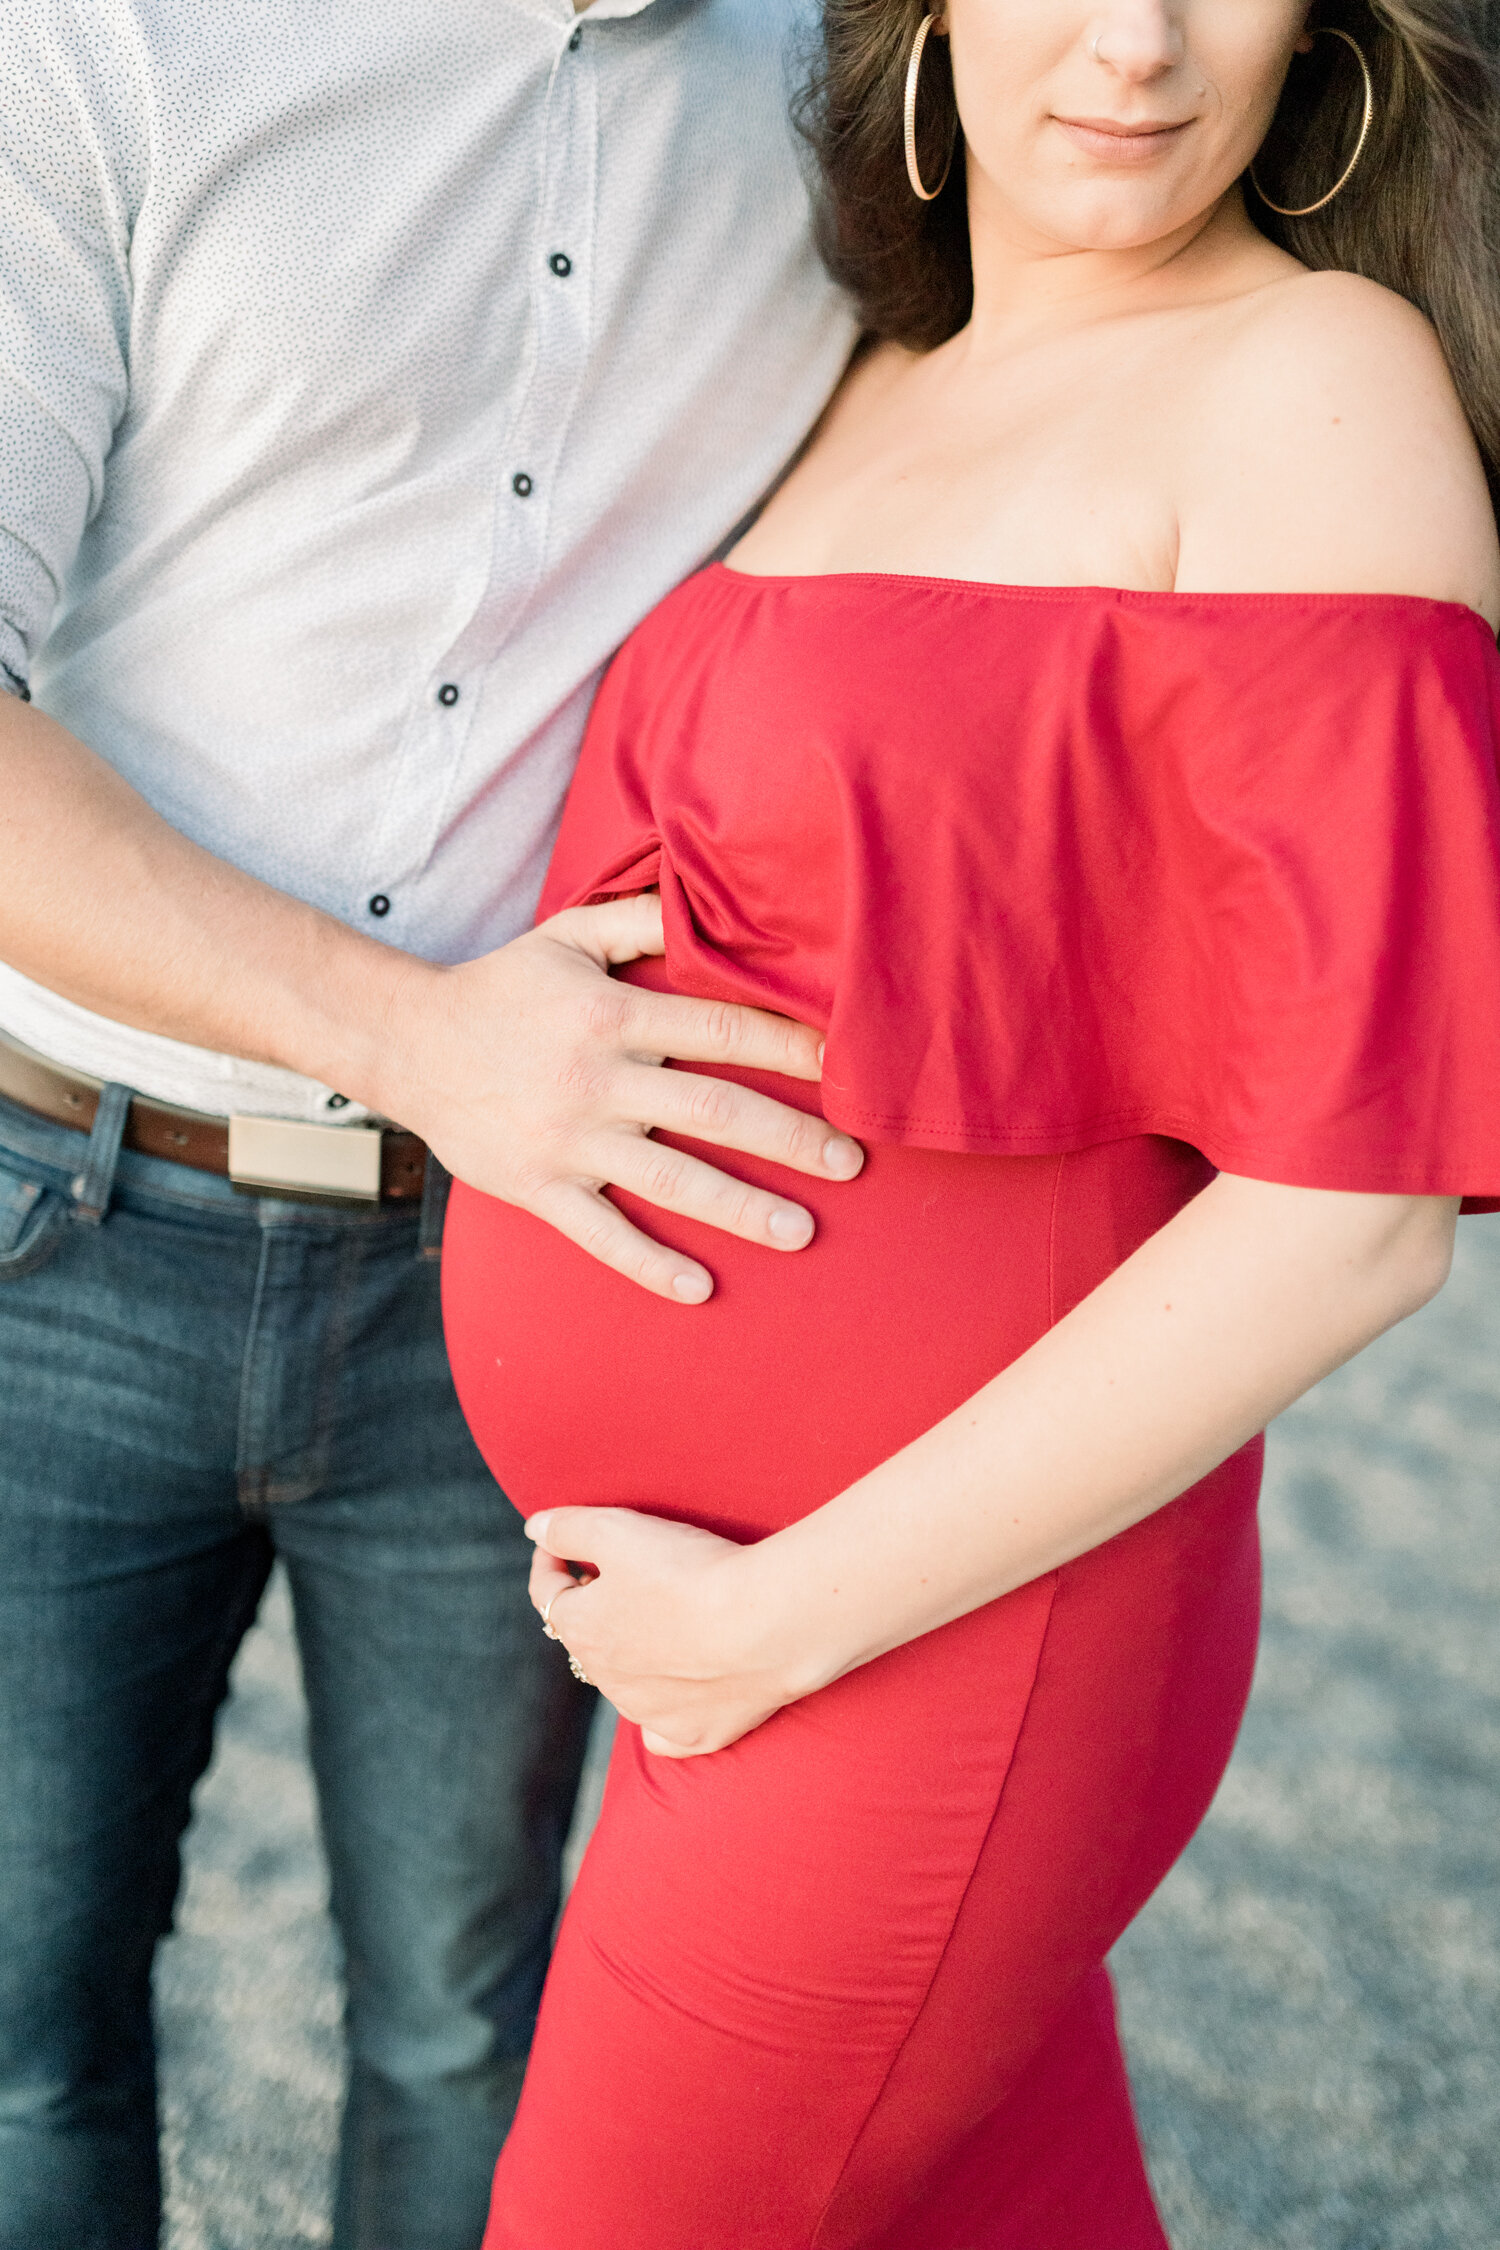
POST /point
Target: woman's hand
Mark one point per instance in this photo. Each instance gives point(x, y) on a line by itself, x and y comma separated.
point(663, 1622)
point(1218, 1321)
point(1234, 1308)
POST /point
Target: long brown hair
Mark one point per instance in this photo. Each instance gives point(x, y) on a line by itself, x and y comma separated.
point(1420, 214)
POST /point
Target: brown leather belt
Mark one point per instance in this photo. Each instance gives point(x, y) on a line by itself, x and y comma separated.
point(182, 1136)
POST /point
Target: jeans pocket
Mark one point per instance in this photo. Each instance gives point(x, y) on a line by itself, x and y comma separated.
point(32, 1218)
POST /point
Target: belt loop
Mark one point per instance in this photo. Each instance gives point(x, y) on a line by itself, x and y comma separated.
point(95, 1184)
point(435, 1185)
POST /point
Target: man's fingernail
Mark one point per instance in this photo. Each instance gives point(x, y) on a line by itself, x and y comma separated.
point(535, 1527)
point(788, 1224)
point(842, 1157)
point(692, 1288)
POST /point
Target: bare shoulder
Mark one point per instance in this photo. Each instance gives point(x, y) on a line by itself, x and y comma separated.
point(1334, 455)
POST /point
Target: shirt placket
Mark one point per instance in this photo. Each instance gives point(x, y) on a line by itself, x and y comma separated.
point(555, 355)
point(562, 301)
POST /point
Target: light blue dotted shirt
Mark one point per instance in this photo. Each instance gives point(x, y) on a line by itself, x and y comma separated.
point(367, 370)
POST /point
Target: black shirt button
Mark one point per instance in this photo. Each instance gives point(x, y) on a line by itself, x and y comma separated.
point(380, 904)
point(447, 695)
point(520, 485)
point(561, 264)
point(576, 41)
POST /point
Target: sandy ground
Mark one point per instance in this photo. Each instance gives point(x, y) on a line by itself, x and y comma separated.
point(1310, 2000)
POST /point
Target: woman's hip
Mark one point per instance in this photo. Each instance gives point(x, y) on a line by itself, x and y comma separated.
point(813, 1962)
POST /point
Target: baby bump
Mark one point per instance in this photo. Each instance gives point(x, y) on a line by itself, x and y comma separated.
point(927, 1275)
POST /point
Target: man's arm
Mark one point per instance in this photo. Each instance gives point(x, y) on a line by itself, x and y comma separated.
point(531, 1073)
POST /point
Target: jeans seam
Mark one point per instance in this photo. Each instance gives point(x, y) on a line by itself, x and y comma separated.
point(259, 1490)
point(249, 1372)
point(341, 1301)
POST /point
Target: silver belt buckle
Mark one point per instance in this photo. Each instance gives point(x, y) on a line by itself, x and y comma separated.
point(308, 1163)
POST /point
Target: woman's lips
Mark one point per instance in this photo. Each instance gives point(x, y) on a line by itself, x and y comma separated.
point(1120, 144)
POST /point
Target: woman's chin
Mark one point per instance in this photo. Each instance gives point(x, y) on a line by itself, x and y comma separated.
point(1117, 230)
point(1093, 209)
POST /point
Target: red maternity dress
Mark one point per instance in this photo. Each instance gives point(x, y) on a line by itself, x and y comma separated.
point(1093, 892)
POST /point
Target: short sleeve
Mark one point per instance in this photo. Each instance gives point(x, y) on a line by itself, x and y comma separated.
point(72, 171)
point(1246, 893)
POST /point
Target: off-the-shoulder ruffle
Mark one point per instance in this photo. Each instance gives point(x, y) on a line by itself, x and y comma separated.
point(1057, 866)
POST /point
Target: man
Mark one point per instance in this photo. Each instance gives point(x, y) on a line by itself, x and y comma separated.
point(366, 371)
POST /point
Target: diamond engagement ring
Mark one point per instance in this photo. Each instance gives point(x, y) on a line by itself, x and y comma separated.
point(548, 1627)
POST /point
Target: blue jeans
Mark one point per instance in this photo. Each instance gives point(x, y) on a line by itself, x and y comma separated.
point(193, 1382)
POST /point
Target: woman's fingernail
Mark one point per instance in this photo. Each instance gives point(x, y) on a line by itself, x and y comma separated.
point(842, 1157)
point(789, 1224)
point(692, 1288)
point(822, 1051)
point(535, 1527)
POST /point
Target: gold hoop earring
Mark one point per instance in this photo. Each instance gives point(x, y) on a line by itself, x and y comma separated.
point(909, 119)
point(1302, 211)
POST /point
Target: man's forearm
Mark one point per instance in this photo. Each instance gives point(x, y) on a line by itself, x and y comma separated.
point(529, 1072)
point(102, 901)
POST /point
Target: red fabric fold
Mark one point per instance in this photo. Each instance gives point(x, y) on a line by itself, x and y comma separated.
point(1054, 866)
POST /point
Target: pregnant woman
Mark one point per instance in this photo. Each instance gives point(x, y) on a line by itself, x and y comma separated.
point(1096, 737)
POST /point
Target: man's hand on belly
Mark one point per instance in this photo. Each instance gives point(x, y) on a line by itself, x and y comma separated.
point(532, 1073)
point(537, 1078)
